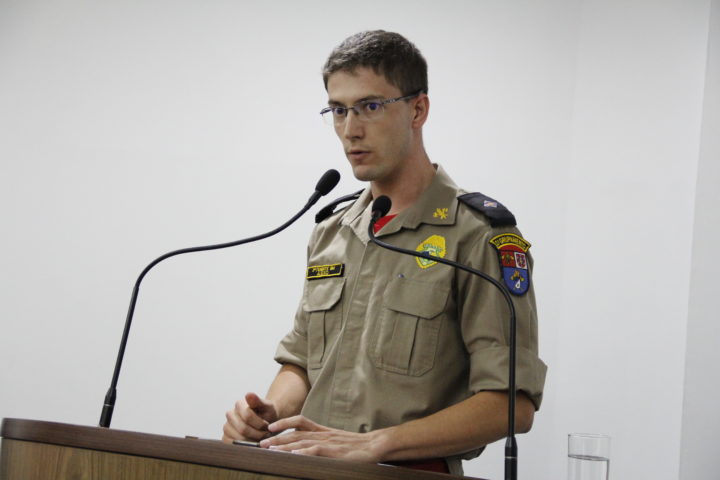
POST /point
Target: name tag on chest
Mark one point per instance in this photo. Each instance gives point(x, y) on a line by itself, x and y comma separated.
point(317, 272)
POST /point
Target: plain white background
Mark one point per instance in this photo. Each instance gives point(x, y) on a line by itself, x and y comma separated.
point(128, 129)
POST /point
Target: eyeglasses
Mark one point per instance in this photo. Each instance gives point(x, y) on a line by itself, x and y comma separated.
point(366, 111)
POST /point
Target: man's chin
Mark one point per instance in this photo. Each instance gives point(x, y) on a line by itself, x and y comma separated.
point(365, 173)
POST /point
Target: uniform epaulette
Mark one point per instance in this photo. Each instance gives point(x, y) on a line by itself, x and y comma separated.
point(328, 209)
point(495, 211)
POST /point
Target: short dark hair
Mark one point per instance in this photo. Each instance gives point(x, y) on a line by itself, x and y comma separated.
point(387, 53)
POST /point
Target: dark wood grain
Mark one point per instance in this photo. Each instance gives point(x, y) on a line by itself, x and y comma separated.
point(155, 456)
point(23, 460)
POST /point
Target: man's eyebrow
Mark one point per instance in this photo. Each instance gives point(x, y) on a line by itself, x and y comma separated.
point(335, 103)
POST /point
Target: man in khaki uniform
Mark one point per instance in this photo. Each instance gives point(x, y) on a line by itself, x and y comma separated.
point(393, 357)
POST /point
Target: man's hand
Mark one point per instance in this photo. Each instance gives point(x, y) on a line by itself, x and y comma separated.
point(476, 421)
point(251, 416)
point(309, 438)
point(249, 419)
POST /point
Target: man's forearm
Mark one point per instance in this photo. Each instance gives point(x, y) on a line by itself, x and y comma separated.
point(477, 421)
point(289, 390)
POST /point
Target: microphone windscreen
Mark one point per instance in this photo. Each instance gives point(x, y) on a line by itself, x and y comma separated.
point(382, 205)
point(327, 182)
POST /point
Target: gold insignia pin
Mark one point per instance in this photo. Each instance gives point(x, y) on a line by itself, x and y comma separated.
point(441, 213)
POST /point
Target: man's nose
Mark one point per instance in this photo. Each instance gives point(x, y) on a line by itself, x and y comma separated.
point(353, 127)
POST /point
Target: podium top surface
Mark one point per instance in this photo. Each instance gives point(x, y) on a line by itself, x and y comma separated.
point(205, 452)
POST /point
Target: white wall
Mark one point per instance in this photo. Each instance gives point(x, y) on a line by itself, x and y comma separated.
point(701, 417)
point(628, 231)
point(128, 129)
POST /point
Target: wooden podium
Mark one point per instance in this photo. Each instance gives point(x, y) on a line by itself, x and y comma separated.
point(35, 450)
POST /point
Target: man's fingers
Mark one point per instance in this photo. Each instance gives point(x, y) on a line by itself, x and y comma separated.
point(249, 419)
point(309, 438)
point(231, 433)
point(265, 409)
point(314, 450)
point(254, 402)
point(290, 438)
point(297, 422)
point(308, 447)
point(239, 429)
point(250, 416)
point(289, 442)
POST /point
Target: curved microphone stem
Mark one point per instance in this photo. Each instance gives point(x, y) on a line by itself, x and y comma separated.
point(327, 183)
point(510, 443)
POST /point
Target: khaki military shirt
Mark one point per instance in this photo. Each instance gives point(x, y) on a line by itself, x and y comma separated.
point(386, 338)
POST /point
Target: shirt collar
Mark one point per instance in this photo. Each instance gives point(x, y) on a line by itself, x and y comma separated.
point(358, 216)
point(437, 205)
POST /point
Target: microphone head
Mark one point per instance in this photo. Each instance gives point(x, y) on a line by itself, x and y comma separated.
point(327, 182)
point(381, 206)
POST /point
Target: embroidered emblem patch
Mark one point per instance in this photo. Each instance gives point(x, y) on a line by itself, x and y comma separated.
point(435, 246)
point(325, 271)
point(441, 213)
point(513, 261)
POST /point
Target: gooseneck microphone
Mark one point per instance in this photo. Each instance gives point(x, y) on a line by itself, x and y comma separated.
point(326, 183)
point(380, 208)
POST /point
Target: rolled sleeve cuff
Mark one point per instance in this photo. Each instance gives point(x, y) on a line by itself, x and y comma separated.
point(290, 350)
point(489, 371)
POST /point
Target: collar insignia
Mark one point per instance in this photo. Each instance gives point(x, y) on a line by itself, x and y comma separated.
point(512, 250)
point(435, 246)
point(440, 213)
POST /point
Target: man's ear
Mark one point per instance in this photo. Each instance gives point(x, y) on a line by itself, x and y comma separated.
point(420, 110)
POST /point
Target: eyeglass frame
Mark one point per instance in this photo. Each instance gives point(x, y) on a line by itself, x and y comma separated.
point(354, 107)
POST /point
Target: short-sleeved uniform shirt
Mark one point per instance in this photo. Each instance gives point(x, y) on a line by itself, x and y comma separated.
point(387, 338)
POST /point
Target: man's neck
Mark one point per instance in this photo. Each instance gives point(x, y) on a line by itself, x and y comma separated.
point(406, 187)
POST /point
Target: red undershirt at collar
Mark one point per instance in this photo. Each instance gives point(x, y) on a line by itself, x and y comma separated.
point(382, 221)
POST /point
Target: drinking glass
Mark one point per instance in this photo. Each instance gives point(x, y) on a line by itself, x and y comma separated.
point(588, 456)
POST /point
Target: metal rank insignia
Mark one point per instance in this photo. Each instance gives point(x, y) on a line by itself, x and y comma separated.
point(325, 271)
point(513, 260)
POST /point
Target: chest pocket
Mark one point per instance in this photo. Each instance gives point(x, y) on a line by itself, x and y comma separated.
point(322, 302)
point(406, 337)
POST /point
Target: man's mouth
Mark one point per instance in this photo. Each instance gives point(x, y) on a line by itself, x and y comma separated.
point(357, 153)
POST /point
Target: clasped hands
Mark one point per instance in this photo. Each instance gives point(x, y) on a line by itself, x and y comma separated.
point(256, 419)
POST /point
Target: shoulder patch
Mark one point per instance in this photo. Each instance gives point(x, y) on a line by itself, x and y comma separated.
point(328, 209)
point(512, 250)
point(495, 211)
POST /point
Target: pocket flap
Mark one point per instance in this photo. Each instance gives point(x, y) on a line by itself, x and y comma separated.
point(322, 294)
point(421, 299)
